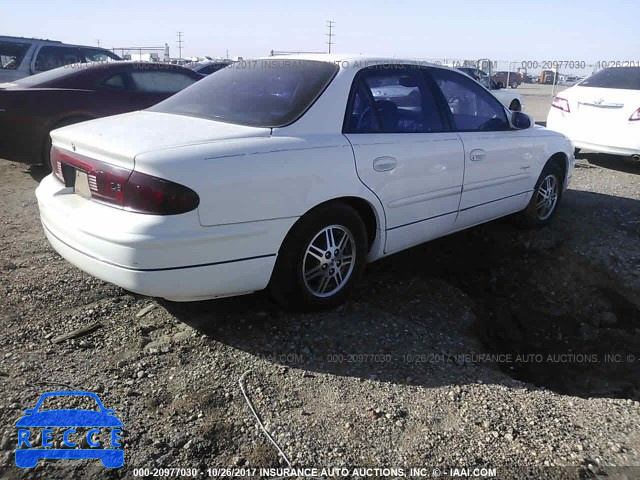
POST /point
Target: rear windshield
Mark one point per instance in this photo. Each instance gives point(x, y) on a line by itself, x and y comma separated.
point(260, 93)
point(11, 54)
point(627, 78)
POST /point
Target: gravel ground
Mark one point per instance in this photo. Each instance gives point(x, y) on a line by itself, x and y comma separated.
point(486, 348)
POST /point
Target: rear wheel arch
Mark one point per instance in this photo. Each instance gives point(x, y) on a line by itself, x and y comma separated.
point(365, 210)
point(296, 284)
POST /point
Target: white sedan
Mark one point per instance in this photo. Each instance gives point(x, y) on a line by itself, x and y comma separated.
point(602, 112)
point(289, 173)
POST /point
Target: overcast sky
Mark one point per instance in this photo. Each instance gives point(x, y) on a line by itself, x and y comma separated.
point(589, 30)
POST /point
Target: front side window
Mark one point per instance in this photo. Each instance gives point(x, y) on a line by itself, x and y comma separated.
point(160, 82)
point(116, 81)
point(11, 54)
point(396, 100)
point(472, 107)
point(53, 57)
point(261, 93)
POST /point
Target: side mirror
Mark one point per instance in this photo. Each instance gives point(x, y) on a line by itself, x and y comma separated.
point(520, 120)
point(499, 85)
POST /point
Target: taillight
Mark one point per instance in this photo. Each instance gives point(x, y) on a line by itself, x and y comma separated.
point(635, 116)
point(561, 103)
point(124, 188)
point(146, 194)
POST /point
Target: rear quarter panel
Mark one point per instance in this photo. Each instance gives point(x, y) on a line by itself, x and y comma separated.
point(254, 179)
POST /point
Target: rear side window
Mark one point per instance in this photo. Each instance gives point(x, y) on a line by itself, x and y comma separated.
point(53, 57)
point(392, 101)
point(116, 81)
point(626, 78)
point(260, 93)
point(11, 55)
point(98, 55)
point(160, 82)
point(472, 107)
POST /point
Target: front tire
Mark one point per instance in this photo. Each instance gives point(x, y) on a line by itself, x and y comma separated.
point(321, 259)
point(545, 199)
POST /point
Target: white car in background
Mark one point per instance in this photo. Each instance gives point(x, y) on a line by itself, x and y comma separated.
point(509, 98)
point(602, 112)
point(291, 174)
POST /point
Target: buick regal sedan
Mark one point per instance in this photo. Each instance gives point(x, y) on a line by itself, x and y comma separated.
point(291, 174)
point(602, 112)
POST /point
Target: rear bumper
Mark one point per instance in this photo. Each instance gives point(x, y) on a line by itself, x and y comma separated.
point(618, 140)
point(172, 257)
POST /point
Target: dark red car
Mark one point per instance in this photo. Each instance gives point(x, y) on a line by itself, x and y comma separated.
point(511, 79)
point(33, 106)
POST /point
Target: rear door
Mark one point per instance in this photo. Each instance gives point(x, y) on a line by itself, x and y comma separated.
point(498, 159)
point(405, 153)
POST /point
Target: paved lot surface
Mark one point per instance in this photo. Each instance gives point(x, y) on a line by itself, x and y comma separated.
point(399, 376)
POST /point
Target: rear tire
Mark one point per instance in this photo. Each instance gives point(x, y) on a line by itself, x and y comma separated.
point(514, 84)
point(545, 199)
point(321, 259)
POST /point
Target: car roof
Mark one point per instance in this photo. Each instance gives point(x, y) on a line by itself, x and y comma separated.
point(21, 39)
point(345, 61)
point(352, 58)
point(8, 38)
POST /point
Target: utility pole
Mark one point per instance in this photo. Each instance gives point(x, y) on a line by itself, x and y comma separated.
point(330, 25)
point(98, 41)
point(180, 44)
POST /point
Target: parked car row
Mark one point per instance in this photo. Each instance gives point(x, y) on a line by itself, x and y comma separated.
point(21, 57)
point(408, 152)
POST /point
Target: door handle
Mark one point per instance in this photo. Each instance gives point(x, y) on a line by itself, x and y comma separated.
point(384, 164)
point(476, 155)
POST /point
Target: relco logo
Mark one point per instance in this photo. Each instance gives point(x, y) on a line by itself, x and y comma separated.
point(55, 433)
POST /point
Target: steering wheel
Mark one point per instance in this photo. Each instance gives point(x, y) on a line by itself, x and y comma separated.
point(366, 117)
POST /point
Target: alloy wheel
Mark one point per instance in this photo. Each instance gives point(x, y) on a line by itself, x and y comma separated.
point(547, 197)
point(329, 261)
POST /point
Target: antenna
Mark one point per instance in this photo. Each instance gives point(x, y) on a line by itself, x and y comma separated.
point(330, 25)
point(180, 41)
point(98, 41)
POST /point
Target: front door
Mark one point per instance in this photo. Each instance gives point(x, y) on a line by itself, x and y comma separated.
point(498, 159)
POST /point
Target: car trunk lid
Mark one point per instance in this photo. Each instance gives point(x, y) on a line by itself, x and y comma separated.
point(117, 140)
point(603, 104)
